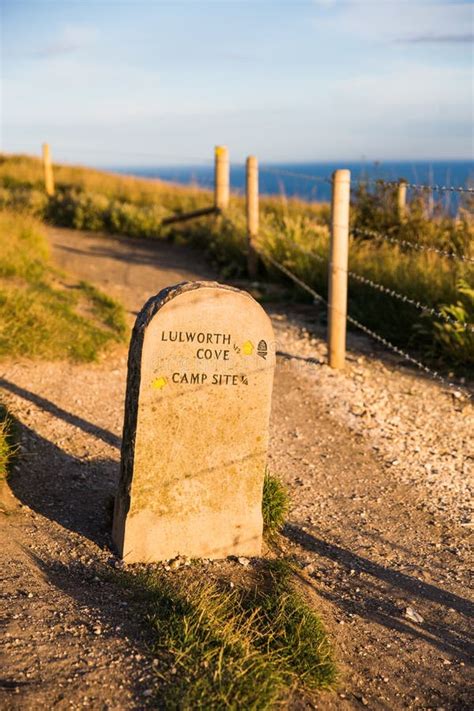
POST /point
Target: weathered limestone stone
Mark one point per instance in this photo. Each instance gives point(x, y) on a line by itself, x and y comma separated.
point(195, 440)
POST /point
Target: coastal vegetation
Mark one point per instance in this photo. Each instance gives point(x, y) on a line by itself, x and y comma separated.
point(432, 313)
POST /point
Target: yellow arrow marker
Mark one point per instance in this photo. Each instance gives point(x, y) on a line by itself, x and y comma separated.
point(247, 348)
point(159, 383)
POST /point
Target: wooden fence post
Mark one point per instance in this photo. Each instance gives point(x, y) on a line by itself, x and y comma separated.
point(402, 199)
point(252, 215)
point(221, 177)
point(48, 170)
point(338, 265)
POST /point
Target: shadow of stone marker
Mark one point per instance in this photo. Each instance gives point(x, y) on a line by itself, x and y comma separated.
point(195, 440)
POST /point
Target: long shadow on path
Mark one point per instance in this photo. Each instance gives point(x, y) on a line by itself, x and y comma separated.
point(76, 493)
point(451, 637)
point(48, 406)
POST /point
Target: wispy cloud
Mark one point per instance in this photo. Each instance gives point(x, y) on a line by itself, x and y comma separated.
point(438, 39)
point(437, 21)
point(70, 39)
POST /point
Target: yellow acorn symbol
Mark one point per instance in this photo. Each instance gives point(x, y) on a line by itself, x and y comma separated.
point(247, 348)
point(159, 383)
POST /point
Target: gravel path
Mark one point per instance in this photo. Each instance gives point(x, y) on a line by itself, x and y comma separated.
point(377, 460)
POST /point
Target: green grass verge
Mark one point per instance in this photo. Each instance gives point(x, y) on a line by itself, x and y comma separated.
point(247, 646)
point(41, 316)
point(94, 200)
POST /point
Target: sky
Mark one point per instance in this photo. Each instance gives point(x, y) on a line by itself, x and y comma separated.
point(146, 82)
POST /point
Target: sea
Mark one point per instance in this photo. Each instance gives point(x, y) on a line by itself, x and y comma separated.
point(310, 181)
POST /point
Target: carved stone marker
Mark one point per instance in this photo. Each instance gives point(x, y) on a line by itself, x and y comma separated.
point(200, 374)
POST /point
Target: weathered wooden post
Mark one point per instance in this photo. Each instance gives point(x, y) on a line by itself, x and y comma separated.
point(338, 264)
point(252, 215)
point(402, 199)
point(48, 170)
point(221, 177)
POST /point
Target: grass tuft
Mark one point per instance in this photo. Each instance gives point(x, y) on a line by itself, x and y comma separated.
point(7, 442)
point(275, 504)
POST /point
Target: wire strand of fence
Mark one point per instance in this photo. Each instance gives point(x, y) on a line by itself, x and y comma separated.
point(366, 181)
point(391, 292)
point(365, 329)
point(294, 174)
point(412, 245)
point(424, 308)
point(406, 356)
point(291, 275)
point(435, 375)
point(415, 186)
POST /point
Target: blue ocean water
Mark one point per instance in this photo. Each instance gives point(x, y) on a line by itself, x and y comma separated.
point(309, 181)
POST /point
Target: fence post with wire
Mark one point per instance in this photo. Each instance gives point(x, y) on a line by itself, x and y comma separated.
point(221, 178)
point(48, 170)
point(338, 252)
point(338, 265)
point(402, 199)
point(252, 207)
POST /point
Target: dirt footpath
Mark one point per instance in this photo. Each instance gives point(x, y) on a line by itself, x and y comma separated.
point(378, 464)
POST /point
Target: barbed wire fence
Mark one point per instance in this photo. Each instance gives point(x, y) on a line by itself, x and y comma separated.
point(424, 308)
point(336, 261)
point(318, 298)
point(420, 187)
point(372, 234)
point(341, 314)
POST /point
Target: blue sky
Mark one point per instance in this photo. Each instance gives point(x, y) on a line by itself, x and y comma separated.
point(150, 82)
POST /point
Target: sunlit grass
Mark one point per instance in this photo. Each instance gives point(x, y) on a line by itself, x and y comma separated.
point(246, 646)
point(40, 316)
point(275, 504)
point(7, 445)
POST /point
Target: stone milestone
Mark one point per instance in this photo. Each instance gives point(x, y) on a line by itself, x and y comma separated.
point(200, 375)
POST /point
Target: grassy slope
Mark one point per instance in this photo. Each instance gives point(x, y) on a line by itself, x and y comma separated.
point(40, 316)
point(95, 200)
